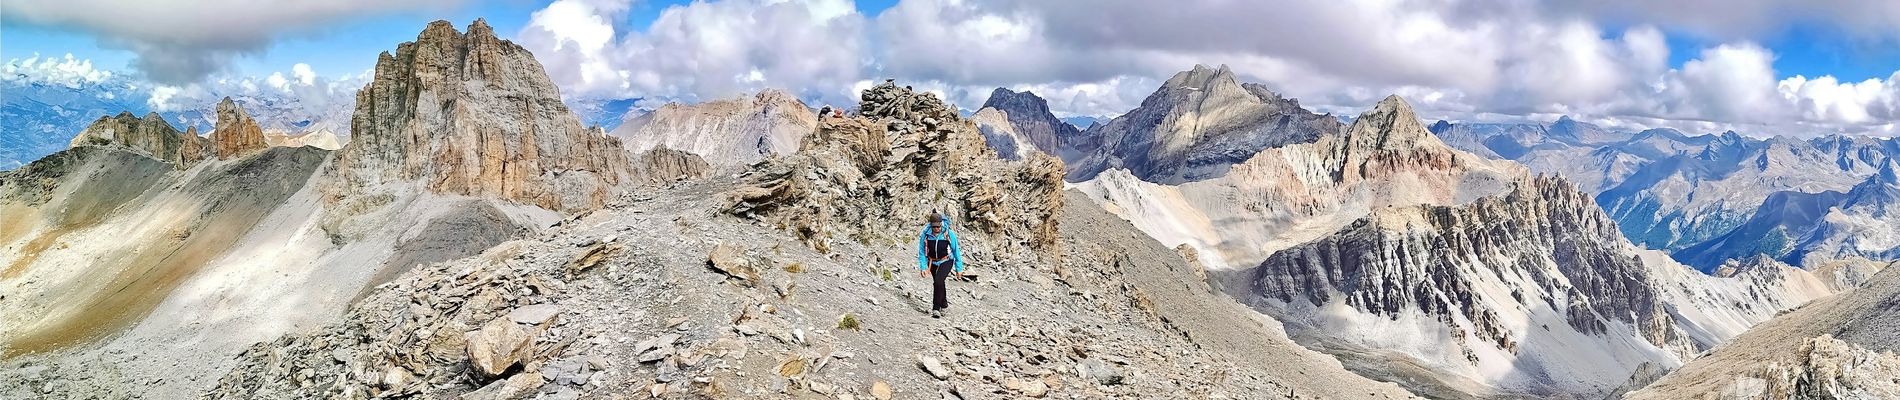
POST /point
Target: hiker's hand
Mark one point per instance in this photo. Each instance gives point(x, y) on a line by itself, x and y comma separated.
point(922, 274)
point(959, 274)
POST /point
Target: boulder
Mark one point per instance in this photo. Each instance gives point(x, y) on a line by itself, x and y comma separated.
point(1098, 371)
point(498, 345)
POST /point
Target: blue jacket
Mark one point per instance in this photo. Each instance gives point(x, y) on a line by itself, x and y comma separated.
point(956, 253)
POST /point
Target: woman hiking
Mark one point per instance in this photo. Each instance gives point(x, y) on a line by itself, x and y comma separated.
point(939, 256)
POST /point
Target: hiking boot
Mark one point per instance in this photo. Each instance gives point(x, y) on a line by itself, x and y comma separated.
point(936, 313)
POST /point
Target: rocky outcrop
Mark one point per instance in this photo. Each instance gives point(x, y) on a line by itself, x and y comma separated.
point(725, 132)
point(471, 114)
point(1194, 127)
point(1028, 115)
point(236, 134)
point(662, 164)
point(151, 136)
point(906, 154)
point(1840, 347)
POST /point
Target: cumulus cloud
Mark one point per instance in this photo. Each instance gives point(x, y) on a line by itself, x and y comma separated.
point(303, 90)
point(64, 71)
point(184, 41)
point(701, 50)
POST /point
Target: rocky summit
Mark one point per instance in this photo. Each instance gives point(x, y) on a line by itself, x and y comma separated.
point(470, 114)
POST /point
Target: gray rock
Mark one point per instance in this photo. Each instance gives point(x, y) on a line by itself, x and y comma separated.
point(934, 367)
point(1098, 371)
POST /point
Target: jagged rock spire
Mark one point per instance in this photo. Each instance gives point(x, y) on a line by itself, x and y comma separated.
point(236, 134)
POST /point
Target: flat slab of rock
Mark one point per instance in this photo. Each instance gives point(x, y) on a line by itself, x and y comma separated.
point(729, 259)
point(535, 314)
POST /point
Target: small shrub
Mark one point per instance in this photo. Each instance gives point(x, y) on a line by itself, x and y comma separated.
point(849, 322)
point(886, 273)
point(795, 268)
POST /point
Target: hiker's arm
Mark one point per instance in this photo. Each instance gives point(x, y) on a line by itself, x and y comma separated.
point(956, 252)
point(923, 259)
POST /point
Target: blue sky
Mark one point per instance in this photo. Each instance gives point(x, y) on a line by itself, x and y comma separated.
point(1728, 67)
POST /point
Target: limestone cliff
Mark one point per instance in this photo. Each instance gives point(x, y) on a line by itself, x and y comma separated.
point(471, 114)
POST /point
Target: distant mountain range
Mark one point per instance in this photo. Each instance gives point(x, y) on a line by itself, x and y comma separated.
point(1706, 198)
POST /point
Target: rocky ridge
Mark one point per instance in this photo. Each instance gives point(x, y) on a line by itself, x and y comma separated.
point(151, 136)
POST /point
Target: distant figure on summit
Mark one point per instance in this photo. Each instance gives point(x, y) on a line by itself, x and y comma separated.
point(939, 256)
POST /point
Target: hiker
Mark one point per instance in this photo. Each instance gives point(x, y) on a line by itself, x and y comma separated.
point(939, 256)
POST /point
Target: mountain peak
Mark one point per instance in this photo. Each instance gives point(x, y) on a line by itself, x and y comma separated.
point(1392, 104)
point(1389, 125)
point(1202, 76)
point(1010, 100)
point(1029, 115)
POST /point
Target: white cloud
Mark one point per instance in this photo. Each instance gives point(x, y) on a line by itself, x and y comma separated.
point(304, 73)
point(64, 71)
point(701, 50)
point(184, 41)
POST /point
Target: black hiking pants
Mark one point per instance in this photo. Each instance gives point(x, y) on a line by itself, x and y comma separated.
point(940, 296)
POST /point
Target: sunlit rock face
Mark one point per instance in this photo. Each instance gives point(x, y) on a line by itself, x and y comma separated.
point(470, 114)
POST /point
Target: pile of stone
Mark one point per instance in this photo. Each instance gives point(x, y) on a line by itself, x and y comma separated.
point(876, 176)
